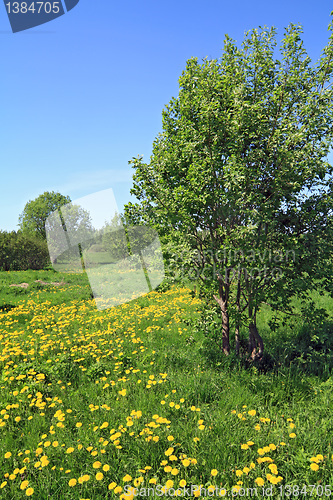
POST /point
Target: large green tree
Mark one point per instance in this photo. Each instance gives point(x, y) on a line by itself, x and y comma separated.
point(240, 171)
point(32, 219)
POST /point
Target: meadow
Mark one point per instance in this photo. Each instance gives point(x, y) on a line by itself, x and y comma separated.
point(135, 400)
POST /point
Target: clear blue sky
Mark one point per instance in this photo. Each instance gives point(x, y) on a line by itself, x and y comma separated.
point(83, 94)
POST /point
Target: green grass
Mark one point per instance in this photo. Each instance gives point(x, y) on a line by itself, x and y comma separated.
point(141, 369)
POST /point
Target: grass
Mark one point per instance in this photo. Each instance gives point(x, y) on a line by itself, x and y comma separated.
point(94, 400)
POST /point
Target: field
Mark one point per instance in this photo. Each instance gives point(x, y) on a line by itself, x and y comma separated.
point(96, 403)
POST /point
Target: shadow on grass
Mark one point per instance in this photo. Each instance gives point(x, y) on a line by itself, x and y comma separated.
point(308, 351)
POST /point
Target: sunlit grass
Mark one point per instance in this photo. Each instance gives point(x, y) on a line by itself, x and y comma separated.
point(92, 401)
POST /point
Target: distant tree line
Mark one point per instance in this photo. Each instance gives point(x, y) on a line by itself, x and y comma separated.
point(19, 252)
point(27, 248)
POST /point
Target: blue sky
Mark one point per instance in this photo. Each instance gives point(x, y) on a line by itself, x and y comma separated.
point(83, 94)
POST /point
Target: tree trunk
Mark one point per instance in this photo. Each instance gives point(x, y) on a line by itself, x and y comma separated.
point(225, 324)
point(255, 341)
point(237, 339)
point(237, 342)
point(252, 342)
point(225, 330)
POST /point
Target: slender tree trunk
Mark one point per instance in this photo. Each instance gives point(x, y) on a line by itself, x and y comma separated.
point(237, 338)
point(252, 342)
point(256, 344)
point(225, 323)
point(225, 329)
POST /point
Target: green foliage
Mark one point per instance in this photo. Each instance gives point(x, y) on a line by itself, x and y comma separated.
point(20, 252)
point(238, 185)
point(73, 360)
point(32, 219)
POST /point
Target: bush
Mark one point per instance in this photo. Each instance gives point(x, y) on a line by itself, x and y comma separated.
point(19, 252)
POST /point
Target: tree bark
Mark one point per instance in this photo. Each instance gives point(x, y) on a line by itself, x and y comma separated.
point(237, 338)
point(225, 324)
point(255, 341)
point(237, 341)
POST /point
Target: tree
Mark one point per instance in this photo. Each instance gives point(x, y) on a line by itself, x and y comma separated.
point(69, 231)
point(19, 252)
point(240, 172)
point(32, 219)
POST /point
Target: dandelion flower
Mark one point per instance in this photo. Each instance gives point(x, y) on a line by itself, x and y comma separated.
point(24, 484)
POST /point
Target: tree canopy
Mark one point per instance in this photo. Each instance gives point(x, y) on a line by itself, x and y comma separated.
point(240, 172)
point(32, 219)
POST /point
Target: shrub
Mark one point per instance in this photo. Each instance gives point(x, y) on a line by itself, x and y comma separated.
point(19, 252)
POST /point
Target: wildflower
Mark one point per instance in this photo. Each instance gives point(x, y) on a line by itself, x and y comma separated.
point(72, 482)
point(24, 484)
point(214, 472)
point(314, 466)
point(29, 492)
point(259, 481)
point(99, 476)
point(8, 454)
